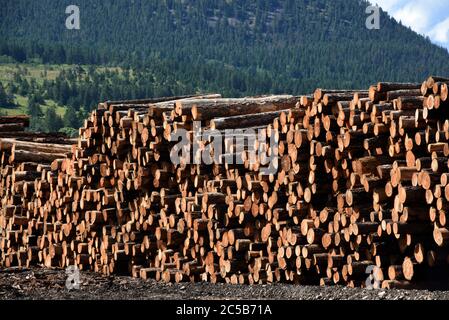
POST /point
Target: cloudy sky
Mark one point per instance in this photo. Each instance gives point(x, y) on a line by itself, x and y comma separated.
point(427, 17)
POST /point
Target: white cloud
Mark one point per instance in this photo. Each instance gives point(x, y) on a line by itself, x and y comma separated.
point(387, 5)
point(427, 17)
point(412, 15)
point(440, 32)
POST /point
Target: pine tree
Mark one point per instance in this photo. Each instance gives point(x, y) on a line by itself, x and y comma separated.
point(5, 99)
point(52, 121)
point(33, 107)
point(71, 119)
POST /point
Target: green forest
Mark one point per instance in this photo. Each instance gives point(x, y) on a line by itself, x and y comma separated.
point(135, 49)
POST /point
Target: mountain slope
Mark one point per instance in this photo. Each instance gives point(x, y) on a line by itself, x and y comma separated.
point(234, 47)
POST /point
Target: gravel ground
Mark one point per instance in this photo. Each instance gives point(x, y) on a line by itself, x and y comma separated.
point(38, 283)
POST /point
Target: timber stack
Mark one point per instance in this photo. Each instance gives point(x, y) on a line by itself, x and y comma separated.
point(346, 187)
point(26, 177)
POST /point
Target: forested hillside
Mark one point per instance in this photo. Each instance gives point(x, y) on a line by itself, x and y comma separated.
point(233, 47)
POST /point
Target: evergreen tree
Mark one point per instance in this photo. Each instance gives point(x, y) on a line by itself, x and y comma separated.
point(71, 119)
point(52, 121)
point(33, 107)
point(24, 87)
point(6, 100)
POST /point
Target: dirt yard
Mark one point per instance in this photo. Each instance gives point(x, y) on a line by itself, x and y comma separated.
point(38, 283)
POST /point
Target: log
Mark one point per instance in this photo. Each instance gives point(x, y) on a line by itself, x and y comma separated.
point(20, 119)
point(27, 156)
point(244, 121)
point(207, 109)
point(12, 127)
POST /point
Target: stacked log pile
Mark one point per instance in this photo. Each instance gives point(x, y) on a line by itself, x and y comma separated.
point(25, 159)
point(357, 196)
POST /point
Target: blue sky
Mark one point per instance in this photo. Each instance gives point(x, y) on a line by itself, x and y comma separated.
point(427, 17)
